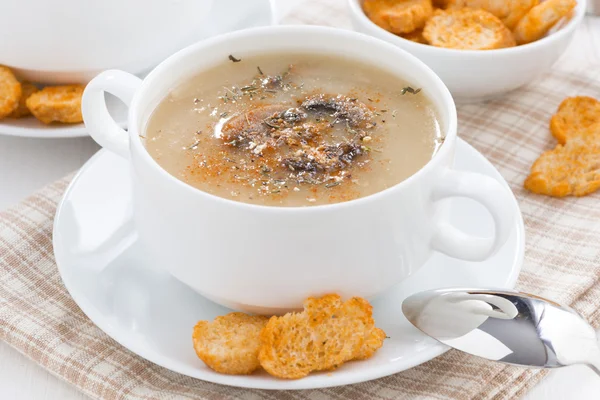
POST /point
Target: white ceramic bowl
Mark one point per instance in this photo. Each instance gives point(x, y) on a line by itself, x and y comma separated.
point(268, 259)
point(475, 75)
point(67, 41)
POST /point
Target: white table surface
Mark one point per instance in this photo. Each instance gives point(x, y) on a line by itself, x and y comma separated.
point(28, 164)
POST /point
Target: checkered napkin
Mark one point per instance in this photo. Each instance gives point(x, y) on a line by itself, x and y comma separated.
point(562, 262)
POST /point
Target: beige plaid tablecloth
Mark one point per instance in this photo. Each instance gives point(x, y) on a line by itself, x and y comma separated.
point(562, 262)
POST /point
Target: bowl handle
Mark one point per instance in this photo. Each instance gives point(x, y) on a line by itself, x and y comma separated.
point(492, 195)
point(100, 125)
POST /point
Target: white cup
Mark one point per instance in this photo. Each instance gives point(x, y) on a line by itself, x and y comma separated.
point(269, 259)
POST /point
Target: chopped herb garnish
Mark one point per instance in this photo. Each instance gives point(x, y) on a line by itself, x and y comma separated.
point(369, 99)
point(230, 91)
point(194, 146)
point(223, 114)
point(409, 89)
point(367, 148)
point(259, 70)
point(232, 58)
point(249, 88)
point(384, 111)
point(333, 184)
point(351, 131)
point(270, 124)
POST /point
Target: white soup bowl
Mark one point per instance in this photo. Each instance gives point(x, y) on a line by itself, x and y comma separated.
point(269, 259)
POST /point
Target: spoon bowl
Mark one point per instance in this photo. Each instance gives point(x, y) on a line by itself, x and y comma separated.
point(505, 326)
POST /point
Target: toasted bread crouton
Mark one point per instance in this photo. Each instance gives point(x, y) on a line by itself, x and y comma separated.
point(541, 18)
point(10, 92)
point(399, 16)
point(574, 116)
point(230, 343)
point(416, 36)
point(373, 341)
point(441, 3)
point(508, 11)
point(57, 104)
point(468, 29)
point(570, 169)
point(27, 90)
point(325, 335)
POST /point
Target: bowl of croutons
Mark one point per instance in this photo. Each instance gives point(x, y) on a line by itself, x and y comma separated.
point(480, 48)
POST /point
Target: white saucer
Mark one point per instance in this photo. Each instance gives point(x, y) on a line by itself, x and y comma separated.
point(241, 16)
point(152, 314)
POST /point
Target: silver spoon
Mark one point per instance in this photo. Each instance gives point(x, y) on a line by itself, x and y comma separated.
point(505, 326)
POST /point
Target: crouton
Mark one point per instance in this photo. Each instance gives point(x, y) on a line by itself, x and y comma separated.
point(325, 335)
point(399, 16)
point(373, 341)
point(469, 29)
point(569, 169)
point(541, 18)
point(230, 343)
point(441, 3)
point(509, 12)
point(10, 92)
point(57, 104)
point(574, 116)
point(416, 36)
point(27, 90)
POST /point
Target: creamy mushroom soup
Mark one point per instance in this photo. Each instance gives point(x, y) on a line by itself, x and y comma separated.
point(294, 130)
